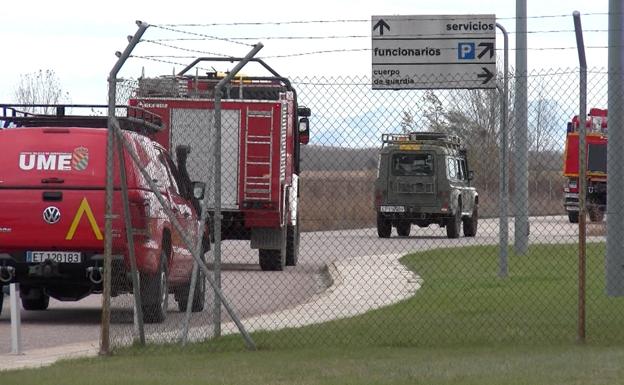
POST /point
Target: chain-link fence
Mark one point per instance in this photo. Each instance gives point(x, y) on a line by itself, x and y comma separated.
point(430, 281)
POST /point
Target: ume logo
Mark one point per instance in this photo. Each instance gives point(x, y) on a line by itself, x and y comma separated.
point(51, 161)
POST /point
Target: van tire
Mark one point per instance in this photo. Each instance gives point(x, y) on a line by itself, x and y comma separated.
point(384, 227)
point(155, 293)
point(199, 296)
point(39, 303)
point(470, 224)
point(403, 228)
point(453, 225)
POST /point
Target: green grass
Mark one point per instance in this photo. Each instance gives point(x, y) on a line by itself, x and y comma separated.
point(464, 326)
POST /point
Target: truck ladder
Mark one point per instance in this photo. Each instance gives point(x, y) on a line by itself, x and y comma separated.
point(258, 156)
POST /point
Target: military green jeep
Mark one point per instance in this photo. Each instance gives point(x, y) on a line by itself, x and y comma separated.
point(423, 178)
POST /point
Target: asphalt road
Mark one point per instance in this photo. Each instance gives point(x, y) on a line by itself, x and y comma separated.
point(251, 291)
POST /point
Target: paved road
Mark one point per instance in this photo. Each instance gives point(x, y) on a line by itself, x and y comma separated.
point(253, 292)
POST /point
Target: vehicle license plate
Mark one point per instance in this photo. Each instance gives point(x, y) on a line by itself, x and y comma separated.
point(55, 256)
point(392, 209)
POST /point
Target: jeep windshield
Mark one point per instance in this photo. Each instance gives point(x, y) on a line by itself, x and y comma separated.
point(414, 164)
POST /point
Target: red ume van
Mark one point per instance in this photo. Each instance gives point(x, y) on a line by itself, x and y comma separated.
point(52, 206)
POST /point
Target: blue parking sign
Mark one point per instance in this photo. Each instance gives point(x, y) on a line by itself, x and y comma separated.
point(466, 51)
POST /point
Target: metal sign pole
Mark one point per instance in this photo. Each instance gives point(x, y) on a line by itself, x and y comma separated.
point(503, 220)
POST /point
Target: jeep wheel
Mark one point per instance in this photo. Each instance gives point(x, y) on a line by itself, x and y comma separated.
point(470, 224)
point(292, 244)
point(403, 228)
point(573, 216)
point(595, 214)
point(271, 260)
point(453, 226)
point(39, 302)
point(155, 293)
point(384, 227)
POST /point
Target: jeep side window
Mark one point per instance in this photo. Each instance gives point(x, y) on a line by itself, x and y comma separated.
point(464, 169)
point(451, 168)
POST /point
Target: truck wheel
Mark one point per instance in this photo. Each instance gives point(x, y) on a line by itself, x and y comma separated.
point(470, 224)
point(384, 227)
point(271, 260)
point(155, 293)
point(199, 296)
point(595, 214)
point(292, 244)
point(573, 216)
point(403, 228)
point(40, 302)
point(453, 226)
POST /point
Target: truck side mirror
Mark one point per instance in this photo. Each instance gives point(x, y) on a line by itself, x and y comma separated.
point(199, 189)
point(470, 175)
point(304, 130)
point(304, 112)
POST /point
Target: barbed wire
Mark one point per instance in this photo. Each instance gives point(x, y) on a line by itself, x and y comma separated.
point(420, 18)
point(207, 37)
point(337, 37)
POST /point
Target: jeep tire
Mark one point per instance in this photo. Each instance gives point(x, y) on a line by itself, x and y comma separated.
point(384, 227)
point(199, 295)
point(403, 228)
point(453, 225)
point(470, 224)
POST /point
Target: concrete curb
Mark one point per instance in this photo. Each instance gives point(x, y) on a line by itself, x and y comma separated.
point(358, 285)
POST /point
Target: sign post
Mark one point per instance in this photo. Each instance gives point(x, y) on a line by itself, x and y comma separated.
point(433, 51)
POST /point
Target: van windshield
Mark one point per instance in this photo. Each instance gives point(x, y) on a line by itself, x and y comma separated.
point(414, 164)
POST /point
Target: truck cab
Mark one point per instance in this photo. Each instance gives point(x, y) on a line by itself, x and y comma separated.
point(424, 178)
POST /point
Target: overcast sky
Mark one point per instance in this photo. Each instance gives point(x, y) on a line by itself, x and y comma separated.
point(78, 39)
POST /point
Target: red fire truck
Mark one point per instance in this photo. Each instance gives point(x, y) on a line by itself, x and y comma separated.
point(262, 130)
point(596, 139)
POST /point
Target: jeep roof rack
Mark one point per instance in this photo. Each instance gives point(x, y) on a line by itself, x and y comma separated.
point(421, 137)
point(55, 115)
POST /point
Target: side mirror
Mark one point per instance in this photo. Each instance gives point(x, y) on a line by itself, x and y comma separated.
point(470, 175)
point(303, 112)
point(199, 188)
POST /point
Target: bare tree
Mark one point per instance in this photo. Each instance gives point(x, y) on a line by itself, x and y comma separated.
point(40, 87)
point(407, 122)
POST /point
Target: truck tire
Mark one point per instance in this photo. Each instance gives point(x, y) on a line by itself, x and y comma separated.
point(155, 293)
point(403, 228)
point(470, 224)
point(292, 244)
point(199, 295)
point(573, 216)
point(595, 214)
point(41, 302)
point(271, 260)
point(453, 226)
point(384, 227)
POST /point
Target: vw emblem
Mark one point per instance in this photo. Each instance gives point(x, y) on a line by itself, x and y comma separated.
point(51, 215)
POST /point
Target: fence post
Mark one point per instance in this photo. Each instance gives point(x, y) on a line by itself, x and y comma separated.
point(582, 183)
point(16, 320)
point(503, 221)
point(108, 216)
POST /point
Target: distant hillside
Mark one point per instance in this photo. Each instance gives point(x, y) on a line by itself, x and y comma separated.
point(326, 158)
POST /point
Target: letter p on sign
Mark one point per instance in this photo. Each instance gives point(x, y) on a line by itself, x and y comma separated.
point(465, 51)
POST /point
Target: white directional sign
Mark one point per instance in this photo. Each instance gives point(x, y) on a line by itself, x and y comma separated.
point(434, 51)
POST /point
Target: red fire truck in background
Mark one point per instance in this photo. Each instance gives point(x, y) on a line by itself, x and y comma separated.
point(262, 130)
point(596, 140)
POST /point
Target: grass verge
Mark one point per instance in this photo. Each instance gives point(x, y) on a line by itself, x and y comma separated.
point(464, 326)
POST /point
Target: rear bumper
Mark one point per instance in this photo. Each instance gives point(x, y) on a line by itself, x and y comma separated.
point(85, 275)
